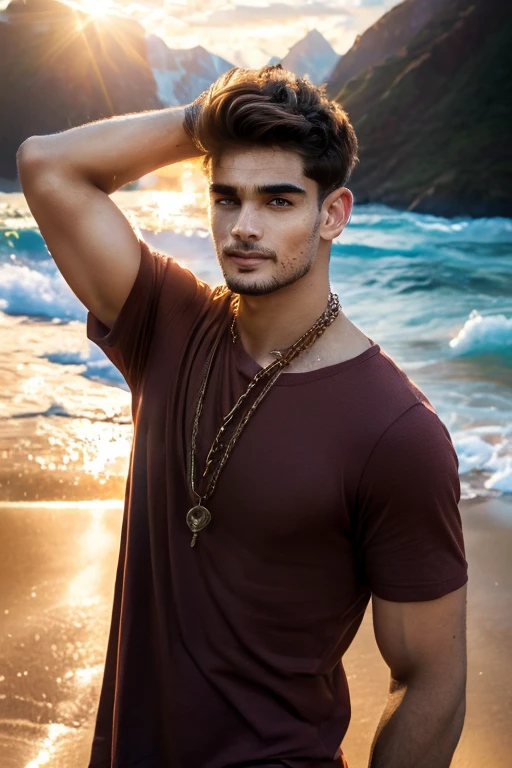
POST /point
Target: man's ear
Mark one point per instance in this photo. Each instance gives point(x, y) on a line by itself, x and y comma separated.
point(335, 213)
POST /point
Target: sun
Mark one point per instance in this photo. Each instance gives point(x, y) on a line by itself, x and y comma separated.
point(96, 8)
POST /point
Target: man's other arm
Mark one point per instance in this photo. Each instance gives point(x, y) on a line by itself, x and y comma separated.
point(424, 645)
point(67, 179)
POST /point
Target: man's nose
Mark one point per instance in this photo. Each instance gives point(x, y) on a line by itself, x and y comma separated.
point(247, 224)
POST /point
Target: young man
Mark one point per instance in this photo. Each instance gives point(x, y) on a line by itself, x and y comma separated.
point(284, 469)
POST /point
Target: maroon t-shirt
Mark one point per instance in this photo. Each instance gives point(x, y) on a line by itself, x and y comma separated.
point(343, 483)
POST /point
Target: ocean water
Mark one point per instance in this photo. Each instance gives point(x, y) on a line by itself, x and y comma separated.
point(436, 294)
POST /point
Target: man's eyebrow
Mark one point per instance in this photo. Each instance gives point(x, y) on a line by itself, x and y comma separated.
point(265, 189)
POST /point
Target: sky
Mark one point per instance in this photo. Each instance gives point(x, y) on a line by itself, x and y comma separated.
point(245, 33)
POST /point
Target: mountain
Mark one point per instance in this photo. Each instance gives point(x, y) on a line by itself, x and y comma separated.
point(433, 121)
point(387, 37)
point(312, 56)
point(181, 75)
point(61, 68)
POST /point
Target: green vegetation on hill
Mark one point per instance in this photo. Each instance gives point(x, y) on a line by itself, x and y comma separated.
point(433, 123)
point(386, 38)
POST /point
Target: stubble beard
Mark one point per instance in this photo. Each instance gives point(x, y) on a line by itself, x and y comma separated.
point(264, 286)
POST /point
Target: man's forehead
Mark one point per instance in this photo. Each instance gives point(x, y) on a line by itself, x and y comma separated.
point(252, 169)
point(256, 158)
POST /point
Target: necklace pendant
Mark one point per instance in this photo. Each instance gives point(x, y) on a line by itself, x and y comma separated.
point(197, 518)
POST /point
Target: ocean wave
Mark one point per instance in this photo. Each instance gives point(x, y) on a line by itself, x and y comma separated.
point(41, 293)
point(24, 243)
point(97, 366)
point(483, 335)
point(449, 277)
point(411, 280)
point(475, 454)
point(55, 409)
point(502, 479)
point(483, 230)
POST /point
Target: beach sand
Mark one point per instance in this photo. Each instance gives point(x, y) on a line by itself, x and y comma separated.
point(486, 740)
point(57, 570)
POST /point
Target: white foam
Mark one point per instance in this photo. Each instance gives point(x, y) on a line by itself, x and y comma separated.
point(472, 451)
point(38, 293)
point(479, 334)
point(477, 454)
point(502, 479)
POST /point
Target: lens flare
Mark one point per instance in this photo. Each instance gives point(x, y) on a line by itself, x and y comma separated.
point(96, 8)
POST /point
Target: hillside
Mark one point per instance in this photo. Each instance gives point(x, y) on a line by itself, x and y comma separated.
point(433, 122)
point(387, 37)
point(60, 68)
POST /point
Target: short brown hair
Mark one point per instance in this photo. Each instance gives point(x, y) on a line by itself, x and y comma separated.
point(273, 107)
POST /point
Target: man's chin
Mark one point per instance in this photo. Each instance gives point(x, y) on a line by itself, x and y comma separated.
point(250, 287)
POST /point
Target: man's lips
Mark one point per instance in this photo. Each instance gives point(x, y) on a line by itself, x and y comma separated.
point(247, 259)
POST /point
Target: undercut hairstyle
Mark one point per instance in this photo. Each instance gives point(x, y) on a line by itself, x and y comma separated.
point(273, 107)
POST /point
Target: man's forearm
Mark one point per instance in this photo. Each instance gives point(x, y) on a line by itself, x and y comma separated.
point(420, 728)
point(110, 153)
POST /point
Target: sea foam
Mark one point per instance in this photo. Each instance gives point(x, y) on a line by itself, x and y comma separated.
point(483, 334)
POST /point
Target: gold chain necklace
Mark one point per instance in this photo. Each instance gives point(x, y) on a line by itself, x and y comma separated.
point(199, 516)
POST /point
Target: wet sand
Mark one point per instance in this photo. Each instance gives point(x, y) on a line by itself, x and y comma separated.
point(57, 570)
point(486, 740)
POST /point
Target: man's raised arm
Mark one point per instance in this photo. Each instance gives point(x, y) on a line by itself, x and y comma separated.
point(67, 179)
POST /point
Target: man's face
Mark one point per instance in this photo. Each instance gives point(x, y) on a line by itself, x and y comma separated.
point(261, 204)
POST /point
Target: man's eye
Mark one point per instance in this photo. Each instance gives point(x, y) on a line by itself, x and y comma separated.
point(226, 200)
point(282, 200)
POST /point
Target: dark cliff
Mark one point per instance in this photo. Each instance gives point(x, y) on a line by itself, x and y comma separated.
point(433, 122)
point(60, 68)
point(387, 37)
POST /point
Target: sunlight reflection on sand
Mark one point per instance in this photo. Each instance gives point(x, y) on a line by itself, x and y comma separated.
point(57, 599)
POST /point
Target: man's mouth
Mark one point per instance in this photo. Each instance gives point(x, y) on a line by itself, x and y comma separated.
point(247, 259)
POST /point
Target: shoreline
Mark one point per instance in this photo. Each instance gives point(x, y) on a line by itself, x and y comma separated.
point(65, 435)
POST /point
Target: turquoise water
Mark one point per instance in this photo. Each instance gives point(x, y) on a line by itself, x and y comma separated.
point(436, 294)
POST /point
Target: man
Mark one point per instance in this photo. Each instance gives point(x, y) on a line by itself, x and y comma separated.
point(284, 469)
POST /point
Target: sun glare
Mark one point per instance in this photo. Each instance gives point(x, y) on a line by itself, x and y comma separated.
point(96, 8)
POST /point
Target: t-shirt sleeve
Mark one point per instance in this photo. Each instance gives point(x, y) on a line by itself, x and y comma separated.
point(410, 533)
point(162, 291)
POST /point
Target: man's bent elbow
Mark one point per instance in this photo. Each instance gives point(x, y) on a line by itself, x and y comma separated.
point(36, 167)
point(31, 151)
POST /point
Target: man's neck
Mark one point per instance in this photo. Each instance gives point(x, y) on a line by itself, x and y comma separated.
point(277, 320)
point(341, 340)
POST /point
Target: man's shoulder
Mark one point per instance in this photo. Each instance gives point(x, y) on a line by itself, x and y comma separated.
point(397, 382)
point(387, 401)
point(408, 419)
